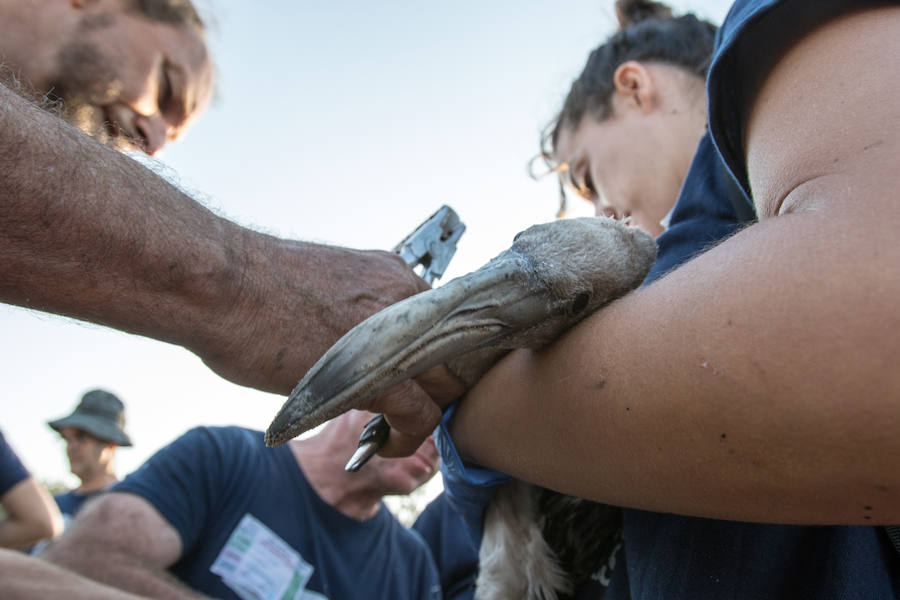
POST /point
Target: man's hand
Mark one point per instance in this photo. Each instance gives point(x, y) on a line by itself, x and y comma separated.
point(413, 409)
point(295, 300)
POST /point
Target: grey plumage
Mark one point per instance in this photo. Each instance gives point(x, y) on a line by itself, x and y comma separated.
point(553, 276)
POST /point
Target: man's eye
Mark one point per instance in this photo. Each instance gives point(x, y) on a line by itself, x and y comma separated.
point(165, 90)
point(584, 187)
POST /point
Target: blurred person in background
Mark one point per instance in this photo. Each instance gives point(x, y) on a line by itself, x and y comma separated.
point(219, 513)
point(29, 513)
point(93, 433)
point(454, 552)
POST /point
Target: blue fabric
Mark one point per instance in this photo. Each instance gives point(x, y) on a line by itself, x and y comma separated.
point(12, 471)
point(675, 557)
point(726, 89)
point(467, 487)
point(70, 503)
point(704, 214)
point(456, 555)
point(207, 480)
point(467, 490)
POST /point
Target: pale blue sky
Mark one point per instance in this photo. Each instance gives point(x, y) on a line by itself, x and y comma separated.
point(346, 122)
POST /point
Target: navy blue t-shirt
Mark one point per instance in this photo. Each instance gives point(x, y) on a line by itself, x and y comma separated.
point(248, 518)
point(12, 471)
point(70, 502)
point(706, 213)
point(456, 555)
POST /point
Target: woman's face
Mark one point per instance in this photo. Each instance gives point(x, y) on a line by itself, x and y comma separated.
point(631, 165)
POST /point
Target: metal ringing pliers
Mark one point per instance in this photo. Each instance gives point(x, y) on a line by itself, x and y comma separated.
point(430, 246)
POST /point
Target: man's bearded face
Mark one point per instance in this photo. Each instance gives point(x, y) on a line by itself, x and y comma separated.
point(133, 83)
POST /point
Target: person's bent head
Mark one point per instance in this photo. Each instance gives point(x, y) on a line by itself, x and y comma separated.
point(135, 74)
point(628, 129)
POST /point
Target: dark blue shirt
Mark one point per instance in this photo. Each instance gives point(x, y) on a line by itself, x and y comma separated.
point(456, 555)
point(706, 213)
point(248, 513)
point(12, 471)
point(70, 502)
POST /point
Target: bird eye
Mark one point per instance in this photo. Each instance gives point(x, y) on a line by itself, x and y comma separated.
point(580, 303)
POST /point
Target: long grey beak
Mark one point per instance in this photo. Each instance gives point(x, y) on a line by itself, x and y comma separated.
point(523, 298)
point(407, 339)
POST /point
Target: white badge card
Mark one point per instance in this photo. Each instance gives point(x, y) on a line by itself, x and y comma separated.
point(259, 565)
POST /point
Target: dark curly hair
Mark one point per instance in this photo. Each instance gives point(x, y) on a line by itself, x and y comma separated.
point(647, 32)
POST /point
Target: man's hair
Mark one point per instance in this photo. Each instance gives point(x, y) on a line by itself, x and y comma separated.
point(174, 12)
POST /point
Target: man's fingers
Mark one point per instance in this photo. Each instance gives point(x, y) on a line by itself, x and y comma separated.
point(412, 414)
point(442, 385)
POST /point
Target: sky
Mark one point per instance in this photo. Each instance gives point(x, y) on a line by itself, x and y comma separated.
point(344, 122)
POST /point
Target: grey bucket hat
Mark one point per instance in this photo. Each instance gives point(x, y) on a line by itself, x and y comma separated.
point(99, 413)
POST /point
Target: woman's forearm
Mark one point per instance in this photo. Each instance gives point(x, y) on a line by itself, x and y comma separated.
point(755, 383)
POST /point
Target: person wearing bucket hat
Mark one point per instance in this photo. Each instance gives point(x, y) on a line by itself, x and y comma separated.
point(92, 433)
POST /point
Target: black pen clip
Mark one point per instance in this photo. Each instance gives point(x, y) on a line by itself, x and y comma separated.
point(373, 437)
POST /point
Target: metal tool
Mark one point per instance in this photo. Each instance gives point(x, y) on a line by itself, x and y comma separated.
point(430, 246)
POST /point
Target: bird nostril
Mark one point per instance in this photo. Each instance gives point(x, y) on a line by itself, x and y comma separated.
point(580, 303)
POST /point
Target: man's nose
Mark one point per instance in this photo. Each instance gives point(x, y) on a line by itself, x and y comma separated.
point(154, 131)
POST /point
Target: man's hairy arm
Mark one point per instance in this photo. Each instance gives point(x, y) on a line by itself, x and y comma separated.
point(27, 578)
point(89, 233)
point(121, 540)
